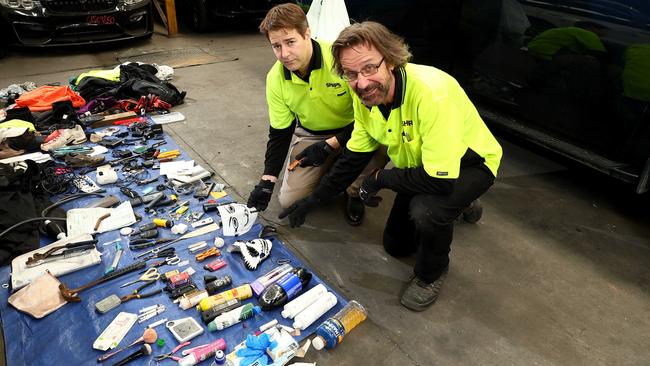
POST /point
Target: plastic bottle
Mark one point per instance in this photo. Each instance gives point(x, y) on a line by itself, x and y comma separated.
point(209, 315)
point(242, 292)
point(331, 332)
point(303, 301)
point(269, 278)
point(314, 311)
point(233, 317)
point(285, 289)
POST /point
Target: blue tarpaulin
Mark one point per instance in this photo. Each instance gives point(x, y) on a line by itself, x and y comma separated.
point(65, 337)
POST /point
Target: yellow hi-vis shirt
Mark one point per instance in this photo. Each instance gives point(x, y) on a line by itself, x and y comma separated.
point(324, 103)
point(432, 124)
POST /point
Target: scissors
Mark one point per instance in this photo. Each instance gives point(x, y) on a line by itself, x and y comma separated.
point(150, 275)
point(171, 354)
point(137, 295)
point(170, 261)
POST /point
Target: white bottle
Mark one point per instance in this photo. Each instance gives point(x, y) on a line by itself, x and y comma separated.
point(314, 311)
point(303, 301)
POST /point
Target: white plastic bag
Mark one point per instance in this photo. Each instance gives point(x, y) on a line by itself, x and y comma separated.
point(327, 18)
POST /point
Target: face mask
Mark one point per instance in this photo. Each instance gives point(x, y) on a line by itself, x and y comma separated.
point(236, 219)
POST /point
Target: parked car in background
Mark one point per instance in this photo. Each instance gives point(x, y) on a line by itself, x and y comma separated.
point(572, 76)
point(43, 23)
point(205, 14)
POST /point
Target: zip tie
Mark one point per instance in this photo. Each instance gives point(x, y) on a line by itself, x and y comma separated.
point(149, 308)
point(157, 323)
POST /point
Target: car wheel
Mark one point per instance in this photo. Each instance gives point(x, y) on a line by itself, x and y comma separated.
point(200, 16)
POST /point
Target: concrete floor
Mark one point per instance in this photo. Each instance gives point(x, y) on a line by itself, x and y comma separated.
point(556, 272)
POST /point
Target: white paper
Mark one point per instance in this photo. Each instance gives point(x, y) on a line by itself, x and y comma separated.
point(21, 275)
point(83, 220)
point(180, 167)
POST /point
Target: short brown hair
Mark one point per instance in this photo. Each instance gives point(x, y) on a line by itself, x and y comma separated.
point(284, 16)
point(389, 44)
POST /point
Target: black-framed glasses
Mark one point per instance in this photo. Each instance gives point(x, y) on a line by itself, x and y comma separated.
point(367, 70)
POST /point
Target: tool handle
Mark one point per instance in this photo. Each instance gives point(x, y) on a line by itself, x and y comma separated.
point(107, 277)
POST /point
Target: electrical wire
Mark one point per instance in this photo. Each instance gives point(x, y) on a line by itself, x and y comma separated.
point(31, 220)
point(68, 199)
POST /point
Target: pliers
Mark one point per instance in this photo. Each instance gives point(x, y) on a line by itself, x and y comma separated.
point(137, 295)
point(165, 356)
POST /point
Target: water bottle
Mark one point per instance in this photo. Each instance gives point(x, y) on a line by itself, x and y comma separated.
point(331, 332)
point(285, 289)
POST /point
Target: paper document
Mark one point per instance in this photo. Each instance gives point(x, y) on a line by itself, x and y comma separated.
point(83, 220)
point(181, 167)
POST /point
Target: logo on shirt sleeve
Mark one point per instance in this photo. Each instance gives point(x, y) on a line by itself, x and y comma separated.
point(442, 174)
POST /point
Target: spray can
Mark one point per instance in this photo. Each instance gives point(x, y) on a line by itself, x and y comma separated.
point(209, 315)
point(233, 317)
point(214, 286)
point(194, 298)
point(285, 289)
point(269, 278)
point(314, 311)
point(242, 292)
point(303, 301)
point(331, 332)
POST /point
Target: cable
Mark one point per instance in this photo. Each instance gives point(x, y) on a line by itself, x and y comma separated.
point(30, 220)
point(68, 199)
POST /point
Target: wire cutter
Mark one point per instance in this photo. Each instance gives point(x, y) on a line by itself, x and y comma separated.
point(150, 275)
point(137, 295)
point(165, 356)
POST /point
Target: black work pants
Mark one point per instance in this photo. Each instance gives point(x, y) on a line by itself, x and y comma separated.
point(424, 223)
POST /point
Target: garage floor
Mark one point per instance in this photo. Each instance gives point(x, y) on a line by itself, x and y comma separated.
point(556, 273)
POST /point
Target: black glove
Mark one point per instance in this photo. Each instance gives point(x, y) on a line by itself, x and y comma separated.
point(261, 195)
point(315, 154)
point(298, 211)
point(369, 188)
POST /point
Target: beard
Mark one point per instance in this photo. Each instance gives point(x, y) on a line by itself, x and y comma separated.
point(374, 94)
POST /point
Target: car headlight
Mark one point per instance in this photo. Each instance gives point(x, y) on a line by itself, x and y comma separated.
point(19, 4)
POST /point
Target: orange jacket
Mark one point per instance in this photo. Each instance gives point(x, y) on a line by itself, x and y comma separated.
point(41, 98)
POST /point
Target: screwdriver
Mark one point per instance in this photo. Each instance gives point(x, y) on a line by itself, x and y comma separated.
point(146, 231)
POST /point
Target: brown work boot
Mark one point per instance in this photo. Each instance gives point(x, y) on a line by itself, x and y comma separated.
point(74, 160)
point(419, 295)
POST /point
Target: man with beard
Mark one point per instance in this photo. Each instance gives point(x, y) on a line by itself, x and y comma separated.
point(444, 155)
point(308, 101)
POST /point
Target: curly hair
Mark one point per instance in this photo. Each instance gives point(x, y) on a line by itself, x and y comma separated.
point(389, 45)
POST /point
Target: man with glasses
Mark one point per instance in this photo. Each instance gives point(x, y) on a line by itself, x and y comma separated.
point(444, 155)
point(310, 103)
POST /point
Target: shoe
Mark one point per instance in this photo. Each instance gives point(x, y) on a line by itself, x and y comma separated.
point(62, 137)
point(75, 160)
point(419, 295)
point(354, 211)
point(473, 212)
